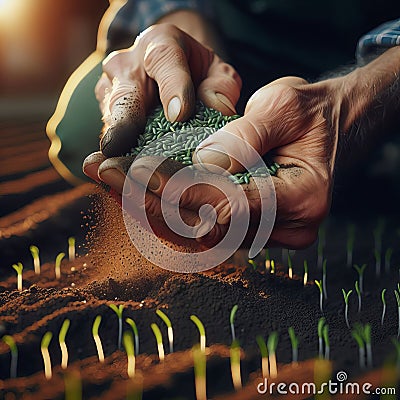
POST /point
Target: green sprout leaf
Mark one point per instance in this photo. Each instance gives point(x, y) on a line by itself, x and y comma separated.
point(63, 330)
point(272, 342)
point(262, 345)
point(167, 322)
point(321, 323)
point(96, 325)
point(232, 320)
point(57, 266)
point(10, 342)
point(158, 336)
point(346, 295)
point(46, 340)
point(18, 268)
point(293, 338)
point(319, 284)
point(165, 318)
point(118, 310)
point(253, 264)
point(202, 331)
point(383, 296)
point(130, 352)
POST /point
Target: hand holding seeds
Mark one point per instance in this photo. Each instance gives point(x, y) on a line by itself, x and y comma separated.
point(163, 61)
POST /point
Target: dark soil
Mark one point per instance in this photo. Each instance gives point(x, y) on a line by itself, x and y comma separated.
point(110, 271)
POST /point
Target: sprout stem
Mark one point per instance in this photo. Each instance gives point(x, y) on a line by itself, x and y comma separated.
point(397, 294)
point(73, 385)
point(232, 321)
point(361, 350)
point(321, 295)
point(170, 331)
point(57, 267)
point(396, 344)
point(321, 324)
point(18, 268)
point(71, 248)
point(200, 370)
point(271, 345)
point(295, 345)
point(253, 264)
point(346, 296)
point(235, 365)
point(264, 356)
point(202, 332)
point(290, 272)
point(305, 277)
point(44, 347)
point(10, 342)
point(367, 339)
point(272, 266)
point(36, 260)
point(267, 260)
point(360, 271)
point(377, 255)
point(96, 337)
point(321, 245)
point(357, 287)
point(160, 346)
point(63, 346)
point(383, 305)
point(325, 334)
point(118, 310)
point(135, 331)
point(324, 280)
point(130, 352)
point(388, 256)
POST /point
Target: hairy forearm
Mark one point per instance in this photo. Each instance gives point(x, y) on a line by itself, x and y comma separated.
point(371, 94)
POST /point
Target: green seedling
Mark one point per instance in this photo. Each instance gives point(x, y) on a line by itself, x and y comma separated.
point(367, 340)
point(360, 271)
point(130, 352)
point(321, 245)
point(232, 321)
point(158, 336)
point(96, 337)
point(305, 276)
point(264, 356)
point(377, 255)
point(18, 268)
point(321, 295)
point(200, 369)
point(272, 344)
point(272, 266)
point(71, 249)
point(63, 346)
point(267, 260)
point(10, 342)
point(44, 347)
point(57, 267)
point(324, 280)
point(170, 331)
point(351, 235)
point(321, 324)
point(135, 331)
point(383, 305)
point(357, 287)
point(396, 344)
point(118, 310)
point(325, 335)
point(36, 259)
point(73, 385)
point(397, 294)
point(295, 345)
point(290, 271)
point(346, 296)
point(235, 365)
point(202, 332)
point(388, 257)
point(361, 347)
point(252, 263)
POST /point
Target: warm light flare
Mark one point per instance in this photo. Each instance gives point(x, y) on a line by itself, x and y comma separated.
point(12, 12)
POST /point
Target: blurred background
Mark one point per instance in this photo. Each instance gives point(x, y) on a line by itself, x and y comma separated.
point(41, 43)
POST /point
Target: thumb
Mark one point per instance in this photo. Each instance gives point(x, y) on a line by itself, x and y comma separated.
point(240, 143)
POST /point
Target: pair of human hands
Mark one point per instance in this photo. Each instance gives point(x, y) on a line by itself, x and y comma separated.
point(296, 121)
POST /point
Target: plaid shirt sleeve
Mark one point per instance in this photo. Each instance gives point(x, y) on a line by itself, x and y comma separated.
point(378, 40)
point(137, 15)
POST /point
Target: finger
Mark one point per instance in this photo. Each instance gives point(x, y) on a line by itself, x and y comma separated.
point(113, 171)
point(91, 165)
point(101, 90)
point(125, 104)
point(221, 88)
point(165, 61)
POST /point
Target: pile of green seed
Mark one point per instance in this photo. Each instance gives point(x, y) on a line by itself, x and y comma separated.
point(178, 140)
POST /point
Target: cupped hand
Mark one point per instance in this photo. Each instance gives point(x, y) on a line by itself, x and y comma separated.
point(164, 63)
point(298, 124)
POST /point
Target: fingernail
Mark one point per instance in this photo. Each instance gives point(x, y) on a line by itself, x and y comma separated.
point(142, 175)
point(225, 101)
point(213, 154)
point(113, 178)
point(174, 108)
